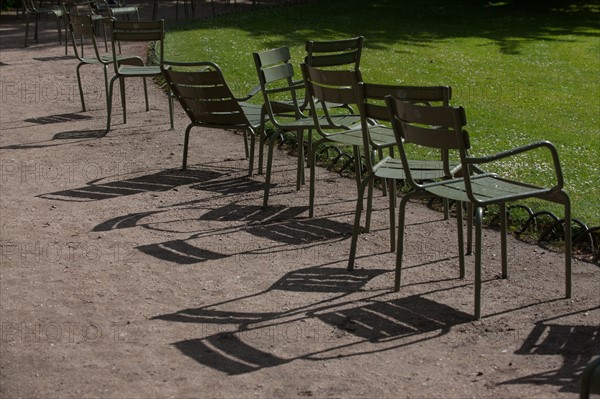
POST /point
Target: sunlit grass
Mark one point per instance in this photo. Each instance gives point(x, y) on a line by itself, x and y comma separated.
point(523, 74)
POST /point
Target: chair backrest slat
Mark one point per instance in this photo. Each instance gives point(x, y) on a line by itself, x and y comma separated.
point(206, 93)
point(278, 72)
point(274, 56)
point(137, 31)
point(432, 138)
point(334, 53)
point(372, 97)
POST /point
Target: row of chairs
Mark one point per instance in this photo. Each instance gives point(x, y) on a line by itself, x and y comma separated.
point(333, 100)
point(387, 117)
point(98, 9)
point(82, 31)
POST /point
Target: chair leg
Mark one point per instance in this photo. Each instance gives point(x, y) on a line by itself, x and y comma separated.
point(469, 228)
point(503, 243)
point(171, 112)
point(568, 246)
point(146, 95)
point(186, 141)
point(123, 102)
point(369, 206)
point(312, 166)
point(252, 145)
point(383, 186)
point(105, 84)
point(109, 102)
point(461, 243)
point(300, 177)
point(27, 15)
point(35, 32)
point(478, 240)
point(392, 200)
point(81, 87)
point(59, 31)
point(400, 243)
point(356, 227)
point(261, 140)
point(268, 172)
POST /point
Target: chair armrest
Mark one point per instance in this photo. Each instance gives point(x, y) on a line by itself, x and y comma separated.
point(523, 149)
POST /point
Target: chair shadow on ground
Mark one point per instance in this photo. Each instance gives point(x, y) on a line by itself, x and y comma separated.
point(357, 325)
point(59, 118)
point(577, 344)
point(156, 182)
point(67, 135)
point(289, 234)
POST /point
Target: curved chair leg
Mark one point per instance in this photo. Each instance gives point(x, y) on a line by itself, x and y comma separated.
point(568, 245)
point(261, 140)
point(268, 171)
point(251, 157)
point(503, 243)
point(123, 101)
point(27, 16)
point(35, 32)
point(400, 244)
point(369, 206)
point(469, 228)
point(478, 233)
point(146, 95)
point(300, 177)
point(392, 203)
point(383, 186)
point(80, 86)
point(59, 30)
point(186, 141)
point(171, 112)
point(461, 241)
point(357, 213)
point(109, 102)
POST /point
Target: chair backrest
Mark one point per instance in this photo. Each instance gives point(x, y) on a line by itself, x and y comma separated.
point(335, 53)
point(137, 31)
point(276, 77)
point(326, 86)
point(204, 94)
point(372, 105)
point(81, 29)
point(433, 127)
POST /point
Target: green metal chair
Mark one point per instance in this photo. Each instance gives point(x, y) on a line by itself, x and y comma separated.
point(443, 128)
point(282, 105)
point(372, 107)
point(81, 30)
point(208, 101)
point(31, 10)
point(82, 7)
point(143, 31)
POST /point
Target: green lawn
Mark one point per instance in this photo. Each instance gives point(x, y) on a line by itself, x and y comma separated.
point(524, 70)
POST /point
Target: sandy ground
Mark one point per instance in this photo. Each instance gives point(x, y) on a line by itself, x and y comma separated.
point(123, 277)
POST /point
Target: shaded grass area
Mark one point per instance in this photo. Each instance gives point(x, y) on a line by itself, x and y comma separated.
point(524, 70)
